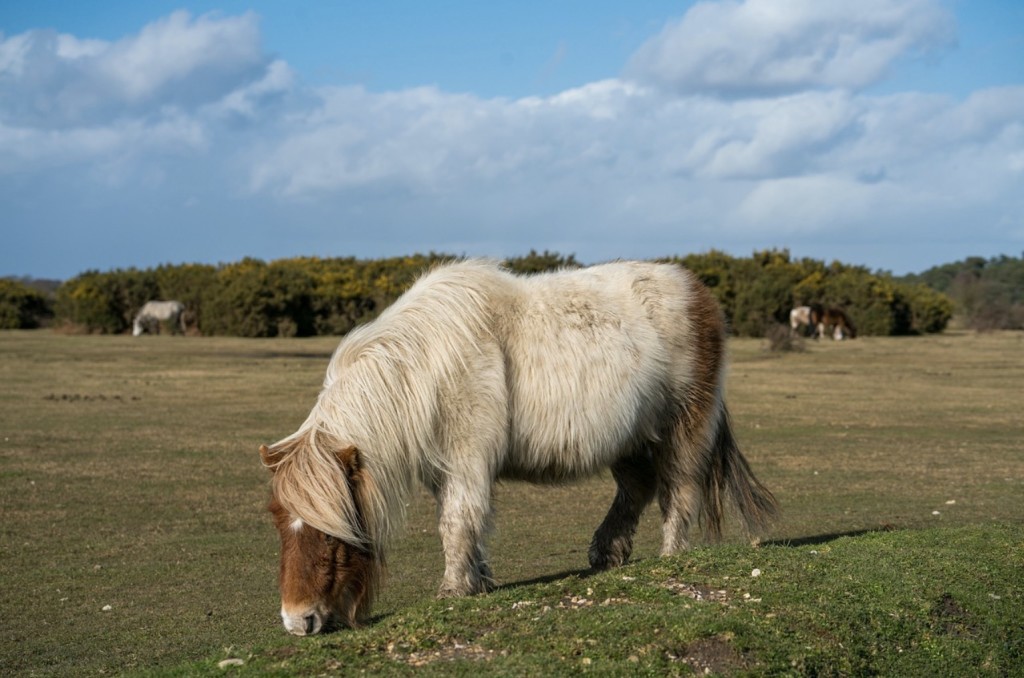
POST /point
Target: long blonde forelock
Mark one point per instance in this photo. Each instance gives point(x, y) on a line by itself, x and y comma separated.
point(311, 485)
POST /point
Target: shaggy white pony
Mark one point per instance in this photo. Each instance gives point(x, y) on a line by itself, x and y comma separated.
point(476, 375)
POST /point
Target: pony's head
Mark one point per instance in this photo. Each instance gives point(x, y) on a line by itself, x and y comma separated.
point(329, 569)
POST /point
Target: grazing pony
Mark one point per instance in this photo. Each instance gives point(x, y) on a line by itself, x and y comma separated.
point(476, 375)
point(153, 313)
point(832, 321)
point(799, 317)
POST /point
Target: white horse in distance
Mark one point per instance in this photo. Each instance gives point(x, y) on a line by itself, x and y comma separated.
point(153, 313)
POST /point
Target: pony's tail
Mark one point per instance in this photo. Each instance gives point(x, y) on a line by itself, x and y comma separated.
point(729, 471)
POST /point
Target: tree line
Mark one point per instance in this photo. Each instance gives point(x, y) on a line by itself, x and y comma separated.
point(308, 296)
point(988, 293)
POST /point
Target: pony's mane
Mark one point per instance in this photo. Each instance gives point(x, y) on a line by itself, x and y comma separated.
point(380, 395)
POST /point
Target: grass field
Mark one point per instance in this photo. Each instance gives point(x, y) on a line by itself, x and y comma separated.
point(133, 536)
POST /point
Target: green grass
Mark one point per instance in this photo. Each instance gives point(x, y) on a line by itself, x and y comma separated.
point(129, 478)
point(896, 603)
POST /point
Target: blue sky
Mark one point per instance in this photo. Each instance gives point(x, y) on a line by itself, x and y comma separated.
point(888, 133)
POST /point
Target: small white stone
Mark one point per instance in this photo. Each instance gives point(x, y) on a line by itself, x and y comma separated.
point(935, 513)
point(950, 502)
point(755, 572)
point(107, 608)
point(230, 662)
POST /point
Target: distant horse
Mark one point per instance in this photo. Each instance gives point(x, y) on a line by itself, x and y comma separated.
point(476, 375)
point(800, 317)
point(153, 313)
point(832, 321)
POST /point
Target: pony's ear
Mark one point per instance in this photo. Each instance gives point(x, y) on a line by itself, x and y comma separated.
point(269, 457)
point(350, 461)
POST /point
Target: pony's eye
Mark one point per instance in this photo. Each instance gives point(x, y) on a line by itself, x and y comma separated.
point(331, 540)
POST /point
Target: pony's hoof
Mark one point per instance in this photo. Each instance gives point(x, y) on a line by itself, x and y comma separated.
point(460, 591)
point(449, 593)
point(606, 561)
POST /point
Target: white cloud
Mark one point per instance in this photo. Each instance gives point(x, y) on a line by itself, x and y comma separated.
point(54, 80)
point(161, 92)
point(797, 206)
point(25, 149)
point(759, 47)
point(771, 138)
point(185, 57)
point(249, 100)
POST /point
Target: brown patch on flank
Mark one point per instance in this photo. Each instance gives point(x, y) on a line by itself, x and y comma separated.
point(710, 655)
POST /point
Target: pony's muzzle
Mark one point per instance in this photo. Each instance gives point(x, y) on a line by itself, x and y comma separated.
point(304, 624)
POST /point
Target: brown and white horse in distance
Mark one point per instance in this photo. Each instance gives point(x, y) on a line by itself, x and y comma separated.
point(823, 321)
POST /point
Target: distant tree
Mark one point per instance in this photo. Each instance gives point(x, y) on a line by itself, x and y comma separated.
point(542, 262)
point(254, 299)
point(22, 307)
point(988, 294)
point(94, 302)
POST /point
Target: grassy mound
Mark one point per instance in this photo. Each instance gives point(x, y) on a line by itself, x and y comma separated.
point(938, 601)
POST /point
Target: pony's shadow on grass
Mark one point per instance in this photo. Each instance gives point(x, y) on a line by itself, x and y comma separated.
point(818, 539)
point(549, 578)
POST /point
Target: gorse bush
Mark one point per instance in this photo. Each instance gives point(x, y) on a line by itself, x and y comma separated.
point(21, 307)
point(329, 296)
point(758, 293)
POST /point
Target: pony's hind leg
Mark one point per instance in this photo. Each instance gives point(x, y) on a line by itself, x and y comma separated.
point(683, 467)
point(679, 498)
point(613, 541)
point(706, 465)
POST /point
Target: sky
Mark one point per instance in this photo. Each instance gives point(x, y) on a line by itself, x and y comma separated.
point(884, 133)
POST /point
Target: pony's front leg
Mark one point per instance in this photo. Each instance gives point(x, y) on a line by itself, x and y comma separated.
point(464, 517)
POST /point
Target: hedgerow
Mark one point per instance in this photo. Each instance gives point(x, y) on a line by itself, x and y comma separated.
point(22, 307)
point(329, 296)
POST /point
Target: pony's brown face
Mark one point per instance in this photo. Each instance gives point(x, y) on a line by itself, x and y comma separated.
point(325, 582)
